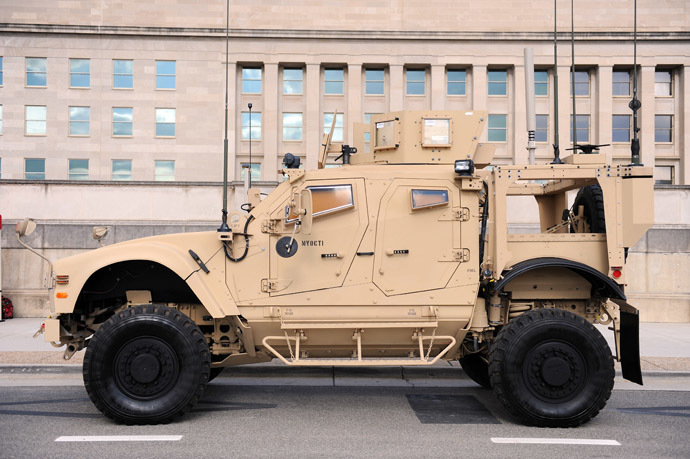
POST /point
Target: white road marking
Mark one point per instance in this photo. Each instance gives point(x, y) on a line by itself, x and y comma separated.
point(557, 441)
point(83, 438)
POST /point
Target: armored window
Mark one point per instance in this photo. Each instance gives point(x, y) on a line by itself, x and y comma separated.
point(165, 122)
point(498, 82)
point(79, 121)
point(165, 74)
point(292, 81)
point(374, 82)
point(424, 199)
point(122, 121)
point(36, 73)
point(416, 79)
point(541, 134)
point(663, 128)
point(582, 128)
point(79, 73)
point(581, 84)
point(621, 83)
point(35, 120)
point(386, 135)
point(331, 198)
point(255, 171)
point(255, 130)
point(35, 169)
point(436, 132)
point(662, 83)
point(621, 128)
point(292, 126)
point(78, 169)
point(165, 171)
point(337, 130)
point(122, 169)
point(333, 81)
point(663, 175)
point(123, 74)
point(498, 128)
point(457, 79)
point(541, 83)
point(251, 80)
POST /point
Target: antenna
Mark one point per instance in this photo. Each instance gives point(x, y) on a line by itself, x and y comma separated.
point(224, 223)
point(531, 118)
point(250, 146)
point(635, 104)
point(556, 146)
point(572, 72)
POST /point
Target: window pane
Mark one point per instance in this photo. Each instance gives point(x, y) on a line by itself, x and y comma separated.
point(581, 84)
point(255, 126)
point(292, 74)
point(497, 128)
point(621, 121)
point(251, 74)
point(329, 199)
point(165, 67)
point(251, 80)
point(333, 87)
point(621, 83)
point(541, 134)
point(621, 128)
point(333, 81)
point(36, 71)
point(165, 171)
point(582, 128)
point(292, 87)
point(165, 130)
point(292, 126)
point(663, 128)
point(436, 132)
point(78, 169)
point(79, 113)
point(456, 82)
point(122, 169)
point(35, 169)
point(374, 75)
point(165, 115)
point(35, 120)
point(123, 81)
point(122, 121)
point(498, 82)
point(1, 72)
point(120, 66)
point(415, 88)
point(255, 171)
point(416, 75)
point(165, 82)
point(541, 83)
point(337, 130)
point(663, 175)
point(374, 82)
point(662, 83)
point(333, 74)
point(429, 198)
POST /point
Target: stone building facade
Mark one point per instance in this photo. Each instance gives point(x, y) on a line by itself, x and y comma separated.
point(112, 112)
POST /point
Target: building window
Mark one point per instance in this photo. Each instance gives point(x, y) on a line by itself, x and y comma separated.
point(165, 122)
point(416, 79)
point(498, 128)
point(122, 121)
point(165, 171)
point(79, 73)
point(333, 81)
point(34, 169)
point(36, 71)
point(662, 83)
point(165, 74)
point(292, 81)
point(663, 128)
point(292, 126)
point(581, 84)
point(255, 128)
point(1, 71)
point(374, 82)
point(663, 175)
point(337, 130)
point(582, 128)
point(0, 119)
point(621, 83)
point(251, 80)
point(78, 169)
point(122, 169)
point(498, 82)
point(457, 79)
point(255, 171)
point(541, 134)
point(621, 128)
point(79, 120)
point(35, 123)
point(541, 83)
point(123, 74)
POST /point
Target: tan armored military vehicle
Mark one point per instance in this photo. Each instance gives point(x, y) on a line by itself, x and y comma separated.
point(402, 256)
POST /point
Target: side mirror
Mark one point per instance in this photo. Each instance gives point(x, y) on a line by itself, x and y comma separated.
point(100, 233)
point(26, 227)
point(300, 209)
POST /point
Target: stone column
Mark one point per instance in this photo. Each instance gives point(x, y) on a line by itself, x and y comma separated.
point(396, 89)
point(480, 91)
point(565, 103)
point(683, 134)
point(269, 122)
point(646, 114)
point(604, 107)
point(354, 101)
point(312, 116)
point(438, 87)
point(519, 122)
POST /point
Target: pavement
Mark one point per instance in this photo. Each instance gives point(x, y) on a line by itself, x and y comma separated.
point(664, 349)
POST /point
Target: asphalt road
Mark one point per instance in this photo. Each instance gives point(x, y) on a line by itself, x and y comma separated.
point(338, 421)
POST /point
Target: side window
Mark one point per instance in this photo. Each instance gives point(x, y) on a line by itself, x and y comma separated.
point(424, 199)
point(327, 199)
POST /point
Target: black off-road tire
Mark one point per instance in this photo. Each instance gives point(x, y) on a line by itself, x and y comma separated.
point(592, 199)
point(551, 368)
point(146, 365)
point(477, 368)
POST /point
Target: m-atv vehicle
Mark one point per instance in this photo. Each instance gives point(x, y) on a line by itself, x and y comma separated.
point(402, 256)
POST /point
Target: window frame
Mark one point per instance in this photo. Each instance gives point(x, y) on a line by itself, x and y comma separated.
point(256, 178)
point(669, 83)
point(71, 176)
point(462, 82)
point(71, 72)
point(253, 80)
point(44, 120)
point(112, 170)
point(443, 191)
point(672, 180)
point(341, 81)
point(415, 82)
point(258, 126)
point(43, 160)
point(541, 129)
point(341, 128)
point(330, 210)
point(27, 72)
point(301, 81)
point(669, 129)
point(614, 83)
point(614, 129)
point(157, 177)
point(504, 128)
point(287, 126)
point(489, 81)
point(164, 123)
point(120, 74)
point(166, 75)
point(573, 75)
point(112, 119)
point(589, 127)
point(70, 121)
point(382, 81)
point(544, 83)
point(425, 123)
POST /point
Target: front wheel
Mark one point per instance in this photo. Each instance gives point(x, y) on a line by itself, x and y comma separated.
point(146, 365)
point(551, 368)
point(476, 366)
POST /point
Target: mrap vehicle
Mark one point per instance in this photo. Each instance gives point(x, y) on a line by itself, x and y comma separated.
point(402, 256)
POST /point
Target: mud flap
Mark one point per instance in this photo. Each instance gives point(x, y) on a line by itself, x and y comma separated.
point(629, 342)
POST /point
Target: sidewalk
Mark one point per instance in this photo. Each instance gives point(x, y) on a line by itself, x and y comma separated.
point(663, 346)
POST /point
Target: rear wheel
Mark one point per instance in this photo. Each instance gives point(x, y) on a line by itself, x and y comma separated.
point(476, 366)
point(146, 365)
point(551, 368)
point(591, 199)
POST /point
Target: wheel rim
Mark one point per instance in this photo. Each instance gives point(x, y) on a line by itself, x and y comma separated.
point(145, 368)
point(555, 371)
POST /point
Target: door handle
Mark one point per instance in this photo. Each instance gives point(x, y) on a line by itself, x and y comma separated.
point(391, 252)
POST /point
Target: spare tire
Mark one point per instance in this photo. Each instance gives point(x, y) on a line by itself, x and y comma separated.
point(591, 198)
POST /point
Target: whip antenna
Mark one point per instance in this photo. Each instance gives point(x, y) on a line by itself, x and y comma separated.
point(635, 104)
point(224, 223)
point(556, 146)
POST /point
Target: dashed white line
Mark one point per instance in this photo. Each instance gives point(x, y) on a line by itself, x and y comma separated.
point(557, 441)
point(83, 438)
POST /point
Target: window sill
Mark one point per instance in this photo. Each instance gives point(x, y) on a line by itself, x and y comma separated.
point(375, 95)
point(35, 135)
point(122, 136)
point(292, 94)
point(123, 89)
point(166, 89)
point(79, 87)
point(456, 96)
point(334, 95)
point(79, 136)
point(35, 87)
point(164, 137)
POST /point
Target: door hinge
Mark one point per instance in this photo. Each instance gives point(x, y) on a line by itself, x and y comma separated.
point(274, 285)
point(462, 255)
point(462, 214)
point(270, 226)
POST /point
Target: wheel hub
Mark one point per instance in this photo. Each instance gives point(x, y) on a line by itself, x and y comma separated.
point(555, 371)
point(145, 367)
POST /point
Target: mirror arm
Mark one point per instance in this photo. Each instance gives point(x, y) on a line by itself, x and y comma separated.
point(50, 264)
